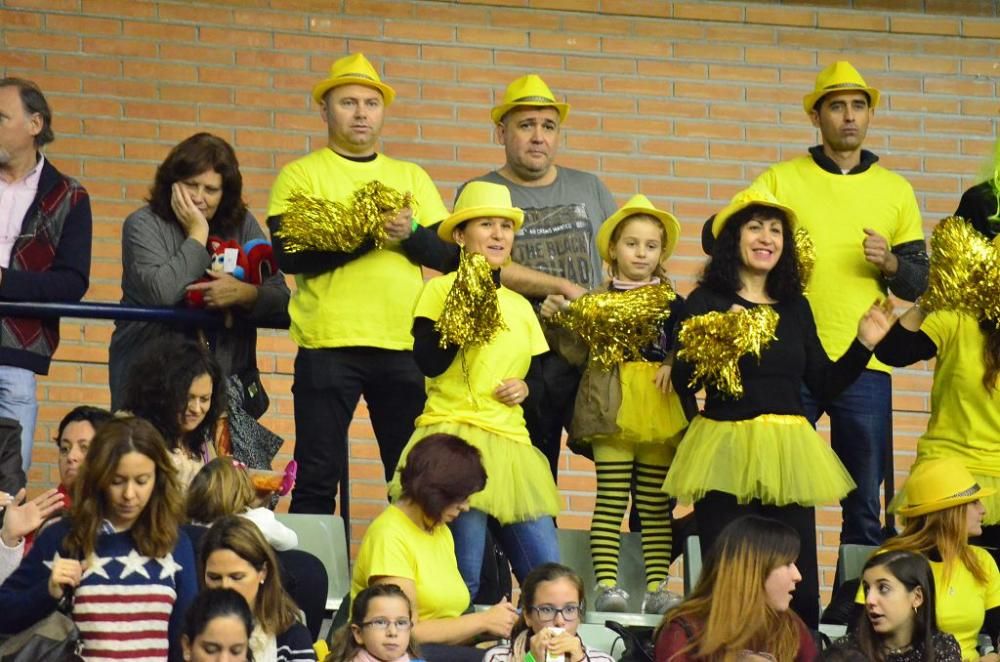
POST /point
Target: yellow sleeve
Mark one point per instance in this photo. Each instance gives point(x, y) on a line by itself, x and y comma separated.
point(430, 206)
point(910, 227)
point(940, 326)
point(388, 556)
point(767, 181)
point(288, 180)
point(430, 303)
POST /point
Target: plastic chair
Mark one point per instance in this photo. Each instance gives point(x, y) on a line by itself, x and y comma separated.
point(597, 636)
point(574, 551)
point(851, 559)
point(324, 536)
point(692, 562)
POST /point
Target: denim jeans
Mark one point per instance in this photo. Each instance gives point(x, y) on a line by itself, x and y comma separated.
point(527, 545)
point(17, 401)
point(860, 435)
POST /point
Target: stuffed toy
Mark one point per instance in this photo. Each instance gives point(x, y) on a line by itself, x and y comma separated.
point(253, 263)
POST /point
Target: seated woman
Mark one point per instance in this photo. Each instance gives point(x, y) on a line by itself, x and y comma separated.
point(551, 610)
point(476, 386)
point(410, 545)
point(741, 603)
point(223, 488)
point(177, 385)
point(235, 555)
point(900, 622)
point(197, 193)
point(120, 542)
point(941, 506)
point(217, 627)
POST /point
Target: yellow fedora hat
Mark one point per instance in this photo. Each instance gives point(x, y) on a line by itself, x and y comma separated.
point(481, 200)
point(353, 69)
point(937, 485)
point(840, 76)
point(746, 198)
point(639, 204)
point(528, 90)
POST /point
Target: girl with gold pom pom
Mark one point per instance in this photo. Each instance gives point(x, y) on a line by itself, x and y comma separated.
point(750, 340)
point(625, 410)
point(476, 342)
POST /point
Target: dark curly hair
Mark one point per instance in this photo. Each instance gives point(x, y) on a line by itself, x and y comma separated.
point(722, 273)
point(190, 158)
point(158, 384)
point(441, 470)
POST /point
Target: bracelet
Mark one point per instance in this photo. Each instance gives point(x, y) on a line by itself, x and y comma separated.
point(413, 228)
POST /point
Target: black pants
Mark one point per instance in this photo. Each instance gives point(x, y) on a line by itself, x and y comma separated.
point(549, 408)
point(328, 384)
point(717, 509)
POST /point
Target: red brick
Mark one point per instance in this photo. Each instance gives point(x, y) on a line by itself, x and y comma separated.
point(672, 69)
point(516, 58)
point(712, 91)
point(973, 88)
point(198, 14)
point(429, 32)
point(603, 26)
point(200, 94)
point(781, 16)
point(120, 8)
point(160, 71)
point(647, 86)
point(635, 46)
point(979, 28)
point(160, 111)
point(630, 125)
point(21, 60)
point(457, 54)
point(700, 53)
point(385, 8)
point(128, 47)
point(82, 25)
point(19, 19)
point(493, 36)
point(544, 41)
point(852, 21)
point(921, 25)
point(274, 20)
point(923, 65)
point(987, 68)
point(708, 12)
point(251, 38)
point(601, 64)
point(237, 76)
point(31, 41)
point(450, 14)
point(160, 32)
point(674, 148)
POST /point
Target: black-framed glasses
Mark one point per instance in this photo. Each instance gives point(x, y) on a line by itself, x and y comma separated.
point(384, 623)
point(546, 613)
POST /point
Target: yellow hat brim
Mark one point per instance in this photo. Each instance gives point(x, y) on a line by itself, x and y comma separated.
point(723, 216)
point(499, 111)
point(325, 85)
point(944, 504)
point(670, 224)
point(809, 100)
point(449, 224)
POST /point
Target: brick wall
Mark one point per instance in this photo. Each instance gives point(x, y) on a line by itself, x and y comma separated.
point(683, 101)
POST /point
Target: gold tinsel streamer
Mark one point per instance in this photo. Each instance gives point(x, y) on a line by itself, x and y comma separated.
point(715, 342)
point(805, 250)
point(964, 272)
point(616, 325)
point(318, 224)
point(471, 314)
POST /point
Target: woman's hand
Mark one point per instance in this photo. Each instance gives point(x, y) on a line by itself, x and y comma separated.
point(512, 392)
point(662, 379)
point(553, 304)
point(566, 644)
point(192, 221)
point(875, 323)
point(991, 657)
point(66, 573)
point(20, 518)
point(225, 291)
point(499, 619)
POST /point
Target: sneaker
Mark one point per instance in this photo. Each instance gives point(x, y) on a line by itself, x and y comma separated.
point(610, 598)
point(660, 600)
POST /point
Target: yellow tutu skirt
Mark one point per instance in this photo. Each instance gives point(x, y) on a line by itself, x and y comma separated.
point(519, 485)
point(778, 459)
point(646, 414)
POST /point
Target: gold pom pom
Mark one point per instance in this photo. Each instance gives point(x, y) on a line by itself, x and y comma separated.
point(311, 223)
point(805, 251)
point(964, 271)
point(715, 342)
point(471, 314)
point(617, 325)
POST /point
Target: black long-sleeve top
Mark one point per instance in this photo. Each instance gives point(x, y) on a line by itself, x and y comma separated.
point(902, 347)
point(773, 384)
point(980, 205)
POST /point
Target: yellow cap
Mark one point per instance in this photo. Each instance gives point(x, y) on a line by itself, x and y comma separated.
point(481, 200)
point(528, 90)
point(353, 70)
point(839, 77)
point(639, 204)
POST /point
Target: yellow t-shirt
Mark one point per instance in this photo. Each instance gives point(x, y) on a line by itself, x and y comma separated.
point(835, 209)
point(962, 602)
point(965, 417)
point(366, 302)
point(394, 546)
point(453, 397)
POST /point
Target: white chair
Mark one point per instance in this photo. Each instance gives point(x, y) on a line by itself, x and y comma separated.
point(324, 537)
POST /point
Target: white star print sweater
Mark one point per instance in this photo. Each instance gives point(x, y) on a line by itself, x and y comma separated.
point(127, 607)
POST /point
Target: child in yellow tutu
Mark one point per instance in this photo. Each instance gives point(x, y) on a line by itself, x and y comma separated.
point(754, 452)
point(627, 412)
point(475, 387)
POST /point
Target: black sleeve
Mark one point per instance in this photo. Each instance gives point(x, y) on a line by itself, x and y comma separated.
point(991, 625)
point(826, 378)
point(309, 262)
point(672, 322)
point(532, 379)
point(427, 352)
point(902, 347)
point(424, 247)
point(910, 280)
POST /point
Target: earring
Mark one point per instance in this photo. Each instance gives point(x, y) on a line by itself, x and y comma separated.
point(914, 610)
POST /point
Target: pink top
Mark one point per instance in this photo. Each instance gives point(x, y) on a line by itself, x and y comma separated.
point(15, 199)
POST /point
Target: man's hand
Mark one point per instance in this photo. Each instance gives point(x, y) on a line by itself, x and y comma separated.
point(879, 253)
point(400, 227)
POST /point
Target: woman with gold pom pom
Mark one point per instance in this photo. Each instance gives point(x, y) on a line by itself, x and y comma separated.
point(750, 339)
point(476, 342)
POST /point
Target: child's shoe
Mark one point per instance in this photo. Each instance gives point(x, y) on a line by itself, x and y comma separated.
point(660, 600)
point(610, 598)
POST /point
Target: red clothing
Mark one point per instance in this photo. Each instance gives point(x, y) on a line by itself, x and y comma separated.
point(673, 638)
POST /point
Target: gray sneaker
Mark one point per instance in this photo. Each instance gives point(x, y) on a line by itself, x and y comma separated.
point(610, 598)
point(660, 600)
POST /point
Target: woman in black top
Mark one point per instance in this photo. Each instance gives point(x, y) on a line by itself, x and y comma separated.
point(757, 453)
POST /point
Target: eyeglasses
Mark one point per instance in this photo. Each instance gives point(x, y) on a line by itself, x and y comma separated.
point(384, 623)
point(548, 612)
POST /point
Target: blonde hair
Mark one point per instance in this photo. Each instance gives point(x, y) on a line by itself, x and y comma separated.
point(660, 271)
point(946, 531)
point(220, 488)
point(728, 607)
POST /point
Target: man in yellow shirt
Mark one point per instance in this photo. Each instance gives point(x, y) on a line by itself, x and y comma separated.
point(351, 312)
point(866, 227)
